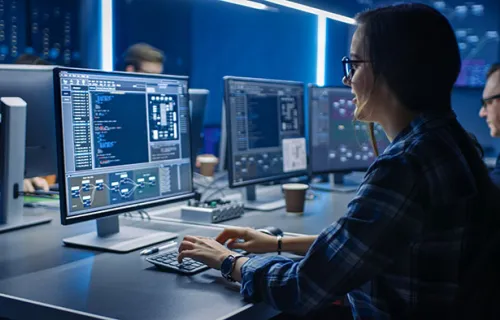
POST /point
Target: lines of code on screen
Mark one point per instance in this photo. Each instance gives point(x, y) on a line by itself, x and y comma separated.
point(263, 130)
point(120, 129)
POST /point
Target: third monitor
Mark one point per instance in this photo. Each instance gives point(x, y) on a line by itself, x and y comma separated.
point(338, 144)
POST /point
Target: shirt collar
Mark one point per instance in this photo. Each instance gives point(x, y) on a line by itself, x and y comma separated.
point(426, 121)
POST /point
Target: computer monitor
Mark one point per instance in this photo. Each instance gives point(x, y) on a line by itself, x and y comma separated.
point(197, 104)
point(34, 84)
point(265, 133)
point(123, 145)
point(338, 144)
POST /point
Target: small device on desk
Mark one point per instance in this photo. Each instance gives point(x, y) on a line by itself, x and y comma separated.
point(212, 211)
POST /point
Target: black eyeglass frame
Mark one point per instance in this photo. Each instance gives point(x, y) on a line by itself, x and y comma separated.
point(347, 66)
point(485, 101)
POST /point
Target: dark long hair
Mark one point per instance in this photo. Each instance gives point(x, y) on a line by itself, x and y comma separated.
point(413, 49)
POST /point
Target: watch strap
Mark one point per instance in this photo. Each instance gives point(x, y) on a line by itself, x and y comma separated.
point(233, 265)
point(280, 243)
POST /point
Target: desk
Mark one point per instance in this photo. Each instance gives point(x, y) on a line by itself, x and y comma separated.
point(318, 213)
point(121, 286)
point(40, 276)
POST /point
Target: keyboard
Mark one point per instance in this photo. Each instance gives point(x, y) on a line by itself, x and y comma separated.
point(168, 261)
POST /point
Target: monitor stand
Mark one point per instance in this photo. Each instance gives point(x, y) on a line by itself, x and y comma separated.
point(111, 237)
point(12, 151)
point(336, 183)
point(266, 204)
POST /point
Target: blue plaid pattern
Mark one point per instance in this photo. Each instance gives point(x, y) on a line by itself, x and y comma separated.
point(396, 252)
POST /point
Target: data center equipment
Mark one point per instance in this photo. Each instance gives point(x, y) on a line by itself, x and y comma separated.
point(265, 135)
point(34, 84)
point(123, 144)
point(197, 104)
point(214, 211)
point(338, 144)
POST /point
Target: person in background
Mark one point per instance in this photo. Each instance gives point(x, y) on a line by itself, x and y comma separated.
point(490, 111)
point(144, 58)
point(412, 242)
point(42, 183)
point(32, 60)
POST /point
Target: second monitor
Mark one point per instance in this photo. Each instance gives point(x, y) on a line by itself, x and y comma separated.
point(265, 134)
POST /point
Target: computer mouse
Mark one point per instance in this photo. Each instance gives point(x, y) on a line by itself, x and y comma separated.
point(272, 231)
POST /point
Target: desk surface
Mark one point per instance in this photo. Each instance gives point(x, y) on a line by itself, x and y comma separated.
point(318, 213)
point(122, 286)
point(35, 266)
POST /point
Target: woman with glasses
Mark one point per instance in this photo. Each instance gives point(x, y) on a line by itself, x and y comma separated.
point(416, 227)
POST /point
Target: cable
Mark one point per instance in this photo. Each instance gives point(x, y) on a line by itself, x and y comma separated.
point(141, 212)
point(221, 190)
point(53, 196)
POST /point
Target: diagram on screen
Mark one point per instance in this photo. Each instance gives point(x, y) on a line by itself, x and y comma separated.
point(120, 187)
point(163, 117)
point(476, 28)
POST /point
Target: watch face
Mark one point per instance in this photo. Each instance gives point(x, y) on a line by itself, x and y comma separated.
point(226, 266)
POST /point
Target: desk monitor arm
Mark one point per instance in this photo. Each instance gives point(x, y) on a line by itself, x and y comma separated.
point(12, 154)
point(249, 195)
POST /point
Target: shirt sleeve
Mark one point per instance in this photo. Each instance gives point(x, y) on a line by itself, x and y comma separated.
point(381, 220)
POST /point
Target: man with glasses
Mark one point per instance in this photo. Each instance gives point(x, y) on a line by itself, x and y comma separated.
point(490, 110)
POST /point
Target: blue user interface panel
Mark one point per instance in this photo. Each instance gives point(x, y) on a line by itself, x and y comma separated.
point(126, 140)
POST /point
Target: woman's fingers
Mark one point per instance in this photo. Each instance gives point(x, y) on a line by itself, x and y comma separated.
point(186, 245)
point(231, 233)
point(235, 244)
point(186, 254)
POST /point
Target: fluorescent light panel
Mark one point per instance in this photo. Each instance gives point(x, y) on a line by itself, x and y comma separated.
point(304, 8)
point(321, 51)
point(248, 3)
point(106, 9)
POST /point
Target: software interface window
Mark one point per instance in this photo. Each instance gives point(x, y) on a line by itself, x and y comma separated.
point(337, 140)
point(126, 140)
point(267, 129)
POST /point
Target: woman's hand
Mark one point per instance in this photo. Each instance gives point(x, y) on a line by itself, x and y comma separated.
point(204, 250)
point(253, 241)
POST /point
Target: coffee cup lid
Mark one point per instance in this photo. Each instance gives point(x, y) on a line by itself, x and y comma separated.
point(207, 159)
point(295, 186)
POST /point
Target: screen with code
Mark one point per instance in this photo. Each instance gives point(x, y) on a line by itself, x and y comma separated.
point(125, 140)
point(266, 130)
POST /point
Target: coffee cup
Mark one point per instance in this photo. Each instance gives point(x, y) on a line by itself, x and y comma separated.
point(295, 197)
point(207, 164)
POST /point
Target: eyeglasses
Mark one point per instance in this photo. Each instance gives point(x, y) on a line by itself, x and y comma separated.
point(485, 101)
point(348, 67)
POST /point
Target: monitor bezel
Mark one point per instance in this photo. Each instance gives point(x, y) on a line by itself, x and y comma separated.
point(310, 88)
point(67, 220)
point(229, 144)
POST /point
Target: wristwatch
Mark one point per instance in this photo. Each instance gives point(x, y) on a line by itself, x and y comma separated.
point(227, 266)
